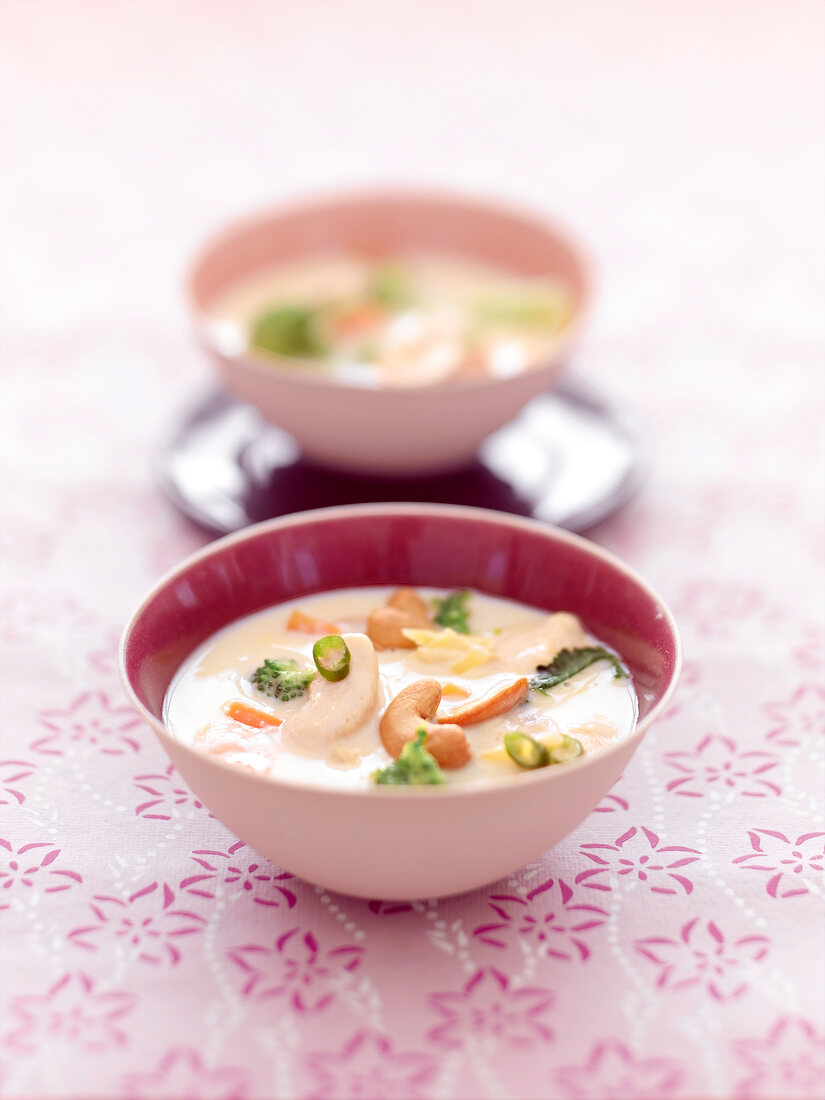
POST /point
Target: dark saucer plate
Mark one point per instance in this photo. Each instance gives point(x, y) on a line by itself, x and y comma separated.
point(570, 458)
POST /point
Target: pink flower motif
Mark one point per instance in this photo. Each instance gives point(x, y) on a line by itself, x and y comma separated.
point(26, 615)
point(712, 606)
point(612, 803)
point(295, 967)
point(703, 958)
point(368, 1069)
point(611, 1072)
point(24, 866)
point(798, 718)
point(810, 652)
point(773, 851)
point(555, 925)
point(788, 1062)
point(23, 540)
point(182, 1073)
point(168, 796)
point(90, 721)
point(104, 659)
point(145, 924)
point(262, 881)
point(489, 1010)
point(12, 773)
point(717, 762)
point(72, 1015)
point(691, 673)
point(639, 856)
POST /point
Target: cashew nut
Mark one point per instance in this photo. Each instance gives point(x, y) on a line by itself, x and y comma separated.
point(405, 608)
point(413, 707)
point(482, 709)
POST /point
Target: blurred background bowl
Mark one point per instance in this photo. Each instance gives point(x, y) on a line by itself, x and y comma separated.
point(396, 842)
point(398, 431)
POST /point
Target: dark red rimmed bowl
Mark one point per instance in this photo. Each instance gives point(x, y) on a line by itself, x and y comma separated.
point(391, 842)
point(386, 430)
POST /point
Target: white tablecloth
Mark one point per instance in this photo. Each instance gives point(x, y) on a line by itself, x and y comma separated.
point(671, 946)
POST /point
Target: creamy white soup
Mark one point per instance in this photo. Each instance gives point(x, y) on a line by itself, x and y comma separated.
point(377, 685)
point(408, 320)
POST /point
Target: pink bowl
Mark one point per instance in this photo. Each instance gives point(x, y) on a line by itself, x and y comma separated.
point(385, 431)
point(395, 842)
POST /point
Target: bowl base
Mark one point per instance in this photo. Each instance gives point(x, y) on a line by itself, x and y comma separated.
point(569, 458)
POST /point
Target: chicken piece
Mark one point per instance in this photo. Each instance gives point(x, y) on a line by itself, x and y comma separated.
point(335, 709)
point(537, 645)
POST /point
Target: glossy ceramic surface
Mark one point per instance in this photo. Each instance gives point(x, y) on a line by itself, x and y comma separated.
point(397, 842)
point(386, 431)
point(569, 458)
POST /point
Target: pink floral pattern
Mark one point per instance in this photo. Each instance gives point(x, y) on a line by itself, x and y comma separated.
point(703, 957)
point(36, 613)
point(369, 1068)
point(809, 652)
point(147, 925)
point(548, 918)
point(492, 1009)
point(799, 719)
point(611, 804)
point(638, 855)
point(671, 945)
point(13, 776)
point(792, 863)
point(789, 1062)
point(714, 607)
point(182, 1072)
point(168, 796)
point(717, 764)
point(612, 1072)
point(28, 866)
point(91, 722)
point(235, 873)
point(104, 658)
point(74, 1014)
point(296, 968)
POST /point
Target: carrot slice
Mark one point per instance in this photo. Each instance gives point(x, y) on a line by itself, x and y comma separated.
point(457, 691)
point(250, 716)
point(308, 624)
point(358, 320)
point(481, 709)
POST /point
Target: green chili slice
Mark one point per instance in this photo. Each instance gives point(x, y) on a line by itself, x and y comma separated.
point(331, 656)
point(567, 749)
point(525, 750)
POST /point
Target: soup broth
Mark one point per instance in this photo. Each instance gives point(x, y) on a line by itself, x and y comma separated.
point(339, 721)
point(411, 320)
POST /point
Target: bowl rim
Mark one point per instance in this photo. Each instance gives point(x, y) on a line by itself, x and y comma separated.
point(477, 788)
point(293, 369)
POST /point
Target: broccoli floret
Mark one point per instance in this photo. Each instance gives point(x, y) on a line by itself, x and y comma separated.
point(282, 679)
point(390, 286)
point(452, 611)
point(414, 767)
point(522, 310)
point(289, 330)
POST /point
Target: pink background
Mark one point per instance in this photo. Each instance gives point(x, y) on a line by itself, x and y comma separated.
point(671, 946)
